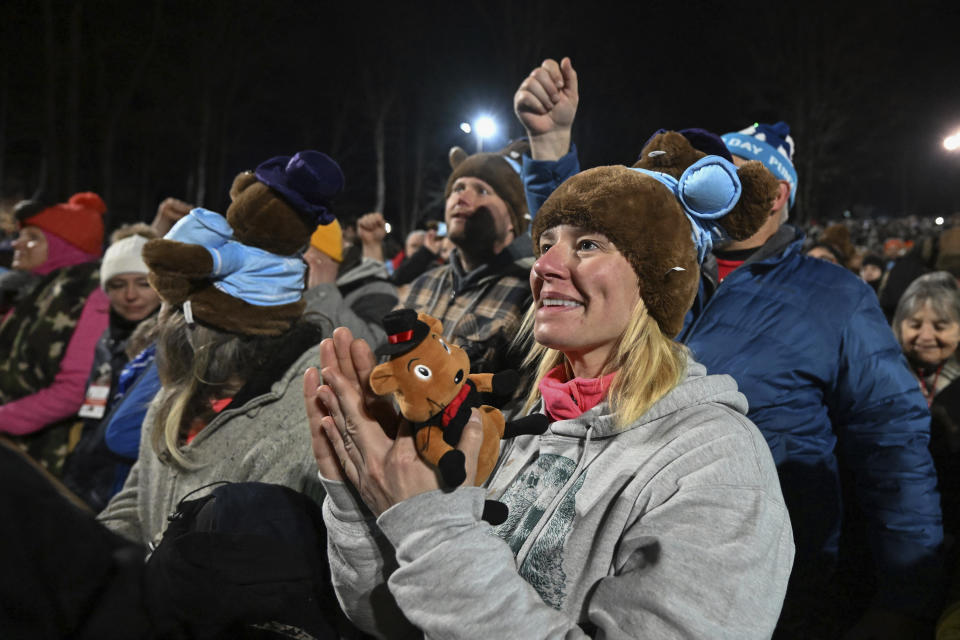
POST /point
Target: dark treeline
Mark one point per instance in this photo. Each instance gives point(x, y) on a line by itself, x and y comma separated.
point(140, 101)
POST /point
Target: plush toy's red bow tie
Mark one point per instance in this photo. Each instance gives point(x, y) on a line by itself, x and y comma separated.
point(451, 409)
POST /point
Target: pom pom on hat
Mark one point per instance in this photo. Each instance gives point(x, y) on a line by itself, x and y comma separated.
point(89, 200)
point(123, 256)
point(79, 221)
point(328, 238)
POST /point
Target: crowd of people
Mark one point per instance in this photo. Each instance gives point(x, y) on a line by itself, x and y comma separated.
point(753, 428)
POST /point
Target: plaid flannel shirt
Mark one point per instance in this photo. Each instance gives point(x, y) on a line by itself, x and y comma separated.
point(481, 311)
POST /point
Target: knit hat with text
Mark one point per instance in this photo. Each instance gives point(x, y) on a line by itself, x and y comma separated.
point(772, 145)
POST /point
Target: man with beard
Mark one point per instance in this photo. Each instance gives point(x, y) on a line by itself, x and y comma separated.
point(482, 292)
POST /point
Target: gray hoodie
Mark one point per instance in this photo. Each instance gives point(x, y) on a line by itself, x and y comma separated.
point(262, 439)
point(358, 300)
point(672, 528)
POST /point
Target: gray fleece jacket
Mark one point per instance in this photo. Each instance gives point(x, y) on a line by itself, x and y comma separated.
point(672, 528)
point(262, 436)
point(358, 300)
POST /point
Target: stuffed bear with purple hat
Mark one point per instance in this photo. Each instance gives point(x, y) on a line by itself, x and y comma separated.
point(243, 273)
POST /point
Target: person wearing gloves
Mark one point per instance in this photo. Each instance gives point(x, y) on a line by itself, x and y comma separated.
point(354, 293)
point(650, 508)
point(47, 340)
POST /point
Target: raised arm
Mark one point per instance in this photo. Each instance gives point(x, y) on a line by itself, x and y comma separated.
point(546, 104)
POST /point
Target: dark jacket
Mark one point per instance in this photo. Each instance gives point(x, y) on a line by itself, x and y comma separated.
point(809, 346)
point(91, 469)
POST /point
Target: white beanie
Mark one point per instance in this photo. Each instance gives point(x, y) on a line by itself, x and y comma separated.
point(123, 256)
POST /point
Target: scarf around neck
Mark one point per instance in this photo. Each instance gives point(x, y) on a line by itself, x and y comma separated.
point(565, 399)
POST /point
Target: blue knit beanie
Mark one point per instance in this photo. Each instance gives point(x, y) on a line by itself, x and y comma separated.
point(772, 145)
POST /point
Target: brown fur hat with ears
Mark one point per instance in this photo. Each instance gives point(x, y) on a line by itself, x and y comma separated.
point(494, 169)
point(645, 222)
point(273, 212)
point(671, 152)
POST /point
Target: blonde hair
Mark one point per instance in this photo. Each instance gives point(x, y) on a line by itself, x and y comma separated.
point(197, 364)
point(648, 365)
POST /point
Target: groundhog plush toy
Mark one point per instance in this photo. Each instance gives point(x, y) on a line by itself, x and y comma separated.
point(206, 262)
point(673, 152)
point(435, 391)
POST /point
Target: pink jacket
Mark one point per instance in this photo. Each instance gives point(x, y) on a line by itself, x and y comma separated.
point(64, 397)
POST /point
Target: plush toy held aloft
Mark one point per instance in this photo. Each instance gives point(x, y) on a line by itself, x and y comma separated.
point(673, 152)
point(435, 390)
point(243, 273)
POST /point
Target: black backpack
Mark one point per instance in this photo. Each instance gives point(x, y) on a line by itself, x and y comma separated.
point(248, 560)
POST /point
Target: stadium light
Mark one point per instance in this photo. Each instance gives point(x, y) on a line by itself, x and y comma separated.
point(952, 142)
point(485, 127)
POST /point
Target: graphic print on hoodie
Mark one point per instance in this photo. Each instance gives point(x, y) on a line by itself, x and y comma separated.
point(528, 499)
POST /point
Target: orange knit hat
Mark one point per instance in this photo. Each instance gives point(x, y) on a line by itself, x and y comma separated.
point(78, 221)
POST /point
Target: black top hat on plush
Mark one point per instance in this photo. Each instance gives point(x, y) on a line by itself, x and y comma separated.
point(404, 332)
point(307, 181)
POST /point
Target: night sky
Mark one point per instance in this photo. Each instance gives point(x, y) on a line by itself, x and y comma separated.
point(143, 100)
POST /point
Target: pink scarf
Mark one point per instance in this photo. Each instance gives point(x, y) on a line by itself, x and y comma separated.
point(61, 253)
point(566, 399)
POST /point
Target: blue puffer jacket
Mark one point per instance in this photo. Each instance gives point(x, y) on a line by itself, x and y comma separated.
point(809, 346)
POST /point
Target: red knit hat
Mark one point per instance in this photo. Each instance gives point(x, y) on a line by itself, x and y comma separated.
point(79, 221)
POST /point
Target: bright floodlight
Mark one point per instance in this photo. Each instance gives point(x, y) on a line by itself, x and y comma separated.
point(952, 143)
point(939, 220)
point(485, 127)
point(387, 227)
point(465, 127)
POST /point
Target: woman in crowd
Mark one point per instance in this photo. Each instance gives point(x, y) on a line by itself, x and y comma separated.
point(92, 470)
point(16, 283)
point(650, 508)
point(229, 357)
point(47, 340)
point(927, 324)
